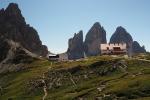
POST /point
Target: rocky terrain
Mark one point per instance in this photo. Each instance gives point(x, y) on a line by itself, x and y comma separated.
point(94, 78)
point(13, 56)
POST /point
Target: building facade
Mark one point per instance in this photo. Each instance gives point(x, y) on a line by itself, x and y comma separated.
point(113, 49)
point(58, 57)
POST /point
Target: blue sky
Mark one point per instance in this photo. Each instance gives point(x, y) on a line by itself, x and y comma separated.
point(57, 20)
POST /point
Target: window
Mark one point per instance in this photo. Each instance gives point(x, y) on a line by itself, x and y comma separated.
point(116, 48)
point(107, 48)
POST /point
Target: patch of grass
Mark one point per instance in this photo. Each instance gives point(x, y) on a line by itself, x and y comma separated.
point(118, 84)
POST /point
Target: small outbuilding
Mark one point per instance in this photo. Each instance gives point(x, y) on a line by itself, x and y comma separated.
point(58, 57)
point(53, 57)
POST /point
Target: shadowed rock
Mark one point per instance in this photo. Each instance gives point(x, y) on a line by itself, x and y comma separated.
point(95, 37)
point(137, 48)
point(13, 27)
point(76, 47)
point(121, 36)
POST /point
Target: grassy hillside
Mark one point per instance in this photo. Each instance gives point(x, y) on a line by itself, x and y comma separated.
point(95, 78)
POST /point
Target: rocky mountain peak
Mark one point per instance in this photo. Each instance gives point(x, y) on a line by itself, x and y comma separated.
point(79, 35)
point(13, 7)
point(76, 47)
point(121, 36)
point(13, 14)
point(121, 29)
point(96, 25)
point(95, 36)
point(13, 27)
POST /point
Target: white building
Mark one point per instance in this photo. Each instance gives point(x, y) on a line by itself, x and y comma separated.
point(58, 57)
point(113, 49)
point(53, 57)
point(63, 57)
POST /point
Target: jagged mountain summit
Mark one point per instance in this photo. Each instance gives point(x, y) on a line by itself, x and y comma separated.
point(95, 36)
point(91, 46)
point(121, 36)
point(13, 27)
point(20, 43)
point(76, 46)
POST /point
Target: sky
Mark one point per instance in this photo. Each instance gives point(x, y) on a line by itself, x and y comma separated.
point(57, 20)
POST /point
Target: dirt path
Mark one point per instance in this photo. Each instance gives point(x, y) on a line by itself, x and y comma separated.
point(143, 60)
point(44, 87)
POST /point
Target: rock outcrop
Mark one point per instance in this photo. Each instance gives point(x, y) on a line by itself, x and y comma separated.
point(95, 37)
point(13, 27)
point(137, 48)
point(13, 56)
point(4, 48)
point(76, 47)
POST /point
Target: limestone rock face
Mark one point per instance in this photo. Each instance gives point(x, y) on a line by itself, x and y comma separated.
point(76, 47)
point(137, 48)
point(13, 27)
point(95, 37)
